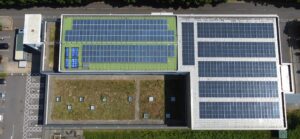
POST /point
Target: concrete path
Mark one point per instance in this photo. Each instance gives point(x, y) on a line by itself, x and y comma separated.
point(137, 100)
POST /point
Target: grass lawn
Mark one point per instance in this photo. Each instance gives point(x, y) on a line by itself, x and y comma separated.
point(293, 124)
point(175, 134)
point(293, 132)
point(51, 56)
point(154, 88)
point(52, 32)
point(116, 107)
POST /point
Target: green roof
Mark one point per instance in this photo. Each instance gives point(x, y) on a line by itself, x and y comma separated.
point(67, 25)
point(19, 42)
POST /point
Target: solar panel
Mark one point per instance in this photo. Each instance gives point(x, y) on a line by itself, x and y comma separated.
point(235, 30)
point(127, 53)
point(236, 49)
point(188, 55)
point(237, 69)
point(66, 63)
point(243, 110)
point(238, 89)
point(171, 50)
point(120, 30)
point(66, 52)
point(74, 63)
point(74, 52)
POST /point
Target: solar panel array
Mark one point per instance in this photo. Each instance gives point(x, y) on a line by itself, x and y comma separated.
point(67, 52)
point(238, 89)
point(237, 69)
point(73, 58)
point(236, 49)
point(228, 110)
point(137, 30)
point(108, 42)
point(188, 47)
point(66, 57)
point(235, 30)
point(127, 53)
point(237, 79)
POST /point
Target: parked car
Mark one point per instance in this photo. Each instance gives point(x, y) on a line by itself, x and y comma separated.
point(4, 45)
point(2, 95)
point(2, 81)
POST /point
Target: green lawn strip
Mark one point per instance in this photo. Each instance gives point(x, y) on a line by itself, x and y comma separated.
point(116, 107)
point(155, 88)
point(51, 56)
point(135, 66)
point(67, 25)
point(175, 134)
point(293, 118)
point(52, 32)
point(3, 75)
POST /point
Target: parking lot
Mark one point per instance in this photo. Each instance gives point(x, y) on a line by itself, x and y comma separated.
point(12, 107)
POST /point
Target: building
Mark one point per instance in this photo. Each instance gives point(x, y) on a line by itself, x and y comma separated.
point(32, 30)
point(233, 61)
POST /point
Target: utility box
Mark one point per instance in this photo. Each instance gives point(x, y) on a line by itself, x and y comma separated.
point(22, 64)
point(282, 134)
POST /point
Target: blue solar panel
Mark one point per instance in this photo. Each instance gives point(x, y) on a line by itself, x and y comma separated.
point(236, 49)
point(74, 52)
point(133, 27)
point(237, 69)
point(171, 51)
point(188, 55)
point(235, 30)
point(127, 53)
point(109, 32)
point(119, 21)
point(238, 89)
point(74, 63)
point(66, 52)
point(120, 30)
point(66, 63)
point(243, 110)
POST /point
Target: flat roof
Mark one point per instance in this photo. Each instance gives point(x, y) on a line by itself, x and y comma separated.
point(32, 28)
point(94, 43)
point(233, 61)
point(286, 78)
point(19, 50)
point(234, 70)
point(94, 88)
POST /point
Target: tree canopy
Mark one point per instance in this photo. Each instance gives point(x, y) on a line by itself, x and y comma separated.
point(184, 3)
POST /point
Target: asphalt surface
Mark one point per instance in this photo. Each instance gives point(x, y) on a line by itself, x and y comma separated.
point(13, 107)
point(286, 14)
point(9, 37)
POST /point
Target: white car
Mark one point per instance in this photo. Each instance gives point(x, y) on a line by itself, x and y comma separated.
point(2, 95)
point(1, 117)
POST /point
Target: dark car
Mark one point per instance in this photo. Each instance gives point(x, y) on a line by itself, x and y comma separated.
point(2, 81)
point(4, 45)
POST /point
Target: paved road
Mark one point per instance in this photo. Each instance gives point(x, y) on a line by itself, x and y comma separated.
point(285, 14)
point(13, 107)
